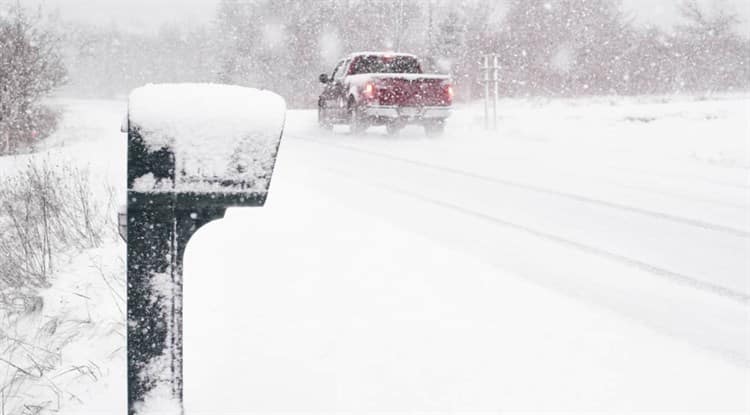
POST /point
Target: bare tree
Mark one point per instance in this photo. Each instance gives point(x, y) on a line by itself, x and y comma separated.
point(565, 46)
point(30, 67)
point(720, 22)
point(714, 56)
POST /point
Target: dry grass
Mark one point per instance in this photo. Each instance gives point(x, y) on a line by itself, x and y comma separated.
point(48, 215)
point(46, 212)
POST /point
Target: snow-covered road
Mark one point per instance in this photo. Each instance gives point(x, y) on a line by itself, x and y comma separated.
point(570, 217)
point(589, 255)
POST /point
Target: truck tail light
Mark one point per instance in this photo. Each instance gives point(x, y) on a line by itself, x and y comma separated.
point(370, 90)
point(448, 88)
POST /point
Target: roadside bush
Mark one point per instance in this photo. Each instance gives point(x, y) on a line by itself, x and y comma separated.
point(29, 128)
point(46, 212)
point(30, 68)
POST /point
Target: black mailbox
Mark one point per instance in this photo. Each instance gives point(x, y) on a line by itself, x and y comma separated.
point(193, 151)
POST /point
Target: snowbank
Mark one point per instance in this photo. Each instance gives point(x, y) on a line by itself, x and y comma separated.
point(222, 137)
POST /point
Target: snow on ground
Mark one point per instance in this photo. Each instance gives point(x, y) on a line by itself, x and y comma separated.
point(632, 231)
point(590, 255)
point(579, 259)
point(333, 310)
point(83, 315)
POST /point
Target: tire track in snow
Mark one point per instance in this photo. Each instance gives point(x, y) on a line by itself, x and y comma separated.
point(727, 293)
point(538, 189)
point(679, 195)
point(667, 174)
point(684, 177)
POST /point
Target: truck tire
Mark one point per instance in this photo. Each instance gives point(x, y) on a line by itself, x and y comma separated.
point(395, 127)
point(357, 123)
point(323, 121)
point(434, 128)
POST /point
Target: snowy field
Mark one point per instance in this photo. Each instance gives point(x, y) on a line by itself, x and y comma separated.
point(590, 255)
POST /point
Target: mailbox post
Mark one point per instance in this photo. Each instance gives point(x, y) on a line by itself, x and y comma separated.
point(491, 80)
point(193, 151)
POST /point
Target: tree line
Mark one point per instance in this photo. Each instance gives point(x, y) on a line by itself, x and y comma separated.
point(546, 47)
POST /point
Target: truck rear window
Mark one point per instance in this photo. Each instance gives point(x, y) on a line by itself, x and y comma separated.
point(385, 64)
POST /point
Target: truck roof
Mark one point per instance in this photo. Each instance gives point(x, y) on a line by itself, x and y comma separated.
point(381, 53)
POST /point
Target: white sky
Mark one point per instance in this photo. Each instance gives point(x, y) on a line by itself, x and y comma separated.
point(136, 15)
point(148, 15)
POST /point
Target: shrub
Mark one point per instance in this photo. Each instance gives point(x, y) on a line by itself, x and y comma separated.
point(46, 212)
point(30, 67)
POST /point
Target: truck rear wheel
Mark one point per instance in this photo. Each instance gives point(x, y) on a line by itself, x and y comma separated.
point(394, 127)
point(357, 123)
point(434, 128)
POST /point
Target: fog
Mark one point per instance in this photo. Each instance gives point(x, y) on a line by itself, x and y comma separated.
point(547, 47)
point(583, 245)
point(131, 15)
point(149, 15)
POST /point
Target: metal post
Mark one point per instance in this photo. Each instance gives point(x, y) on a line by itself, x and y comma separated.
point(486, 81)
point(151, 326)
point(496, 87)
point(491, 75)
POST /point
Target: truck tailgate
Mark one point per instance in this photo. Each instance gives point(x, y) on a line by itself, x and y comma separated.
point(412, 91)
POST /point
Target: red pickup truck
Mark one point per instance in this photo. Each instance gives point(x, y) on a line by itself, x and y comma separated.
point(379, 88)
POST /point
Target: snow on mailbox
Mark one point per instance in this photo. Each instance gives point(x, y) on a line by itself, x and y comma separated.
point(193, 151)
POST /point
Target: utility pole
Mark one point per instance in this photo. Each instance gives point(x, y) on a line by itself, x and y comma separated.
point(400, 31)
point(430, 4)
